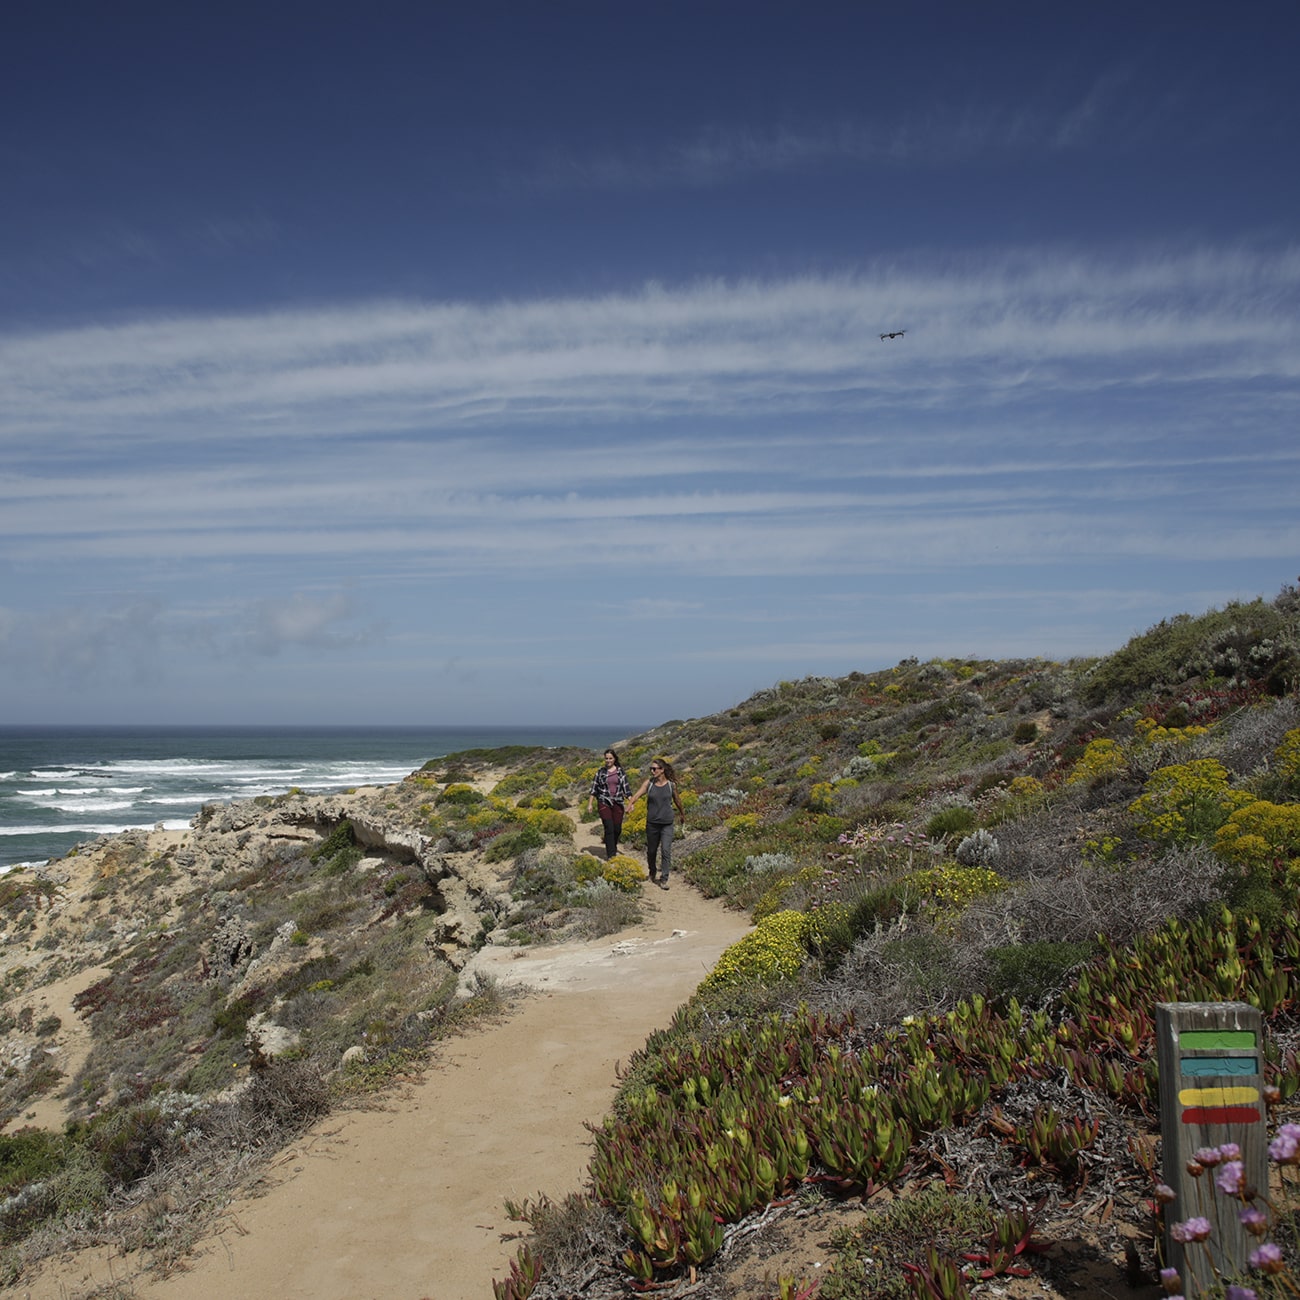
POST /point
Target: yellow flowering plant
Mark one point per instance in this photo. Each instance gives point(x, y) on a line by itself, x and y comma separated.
point(624, 872)
point(1102, 760)
point(1288, 757)
point(1186, 802)
point(773, 950)
point(1260, 834)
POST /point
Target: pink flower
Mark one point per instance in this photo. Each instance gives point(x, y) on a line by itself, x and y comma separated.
point(1165, 1194)
point(1255, 1221)
point(1229, 1178)
point(1285, 1147)
point(1208, 1156)
point(1196, 1228)
point(1230, 1151)
point(1242, 1293)
point(1170, 1280)
point(1267, 1258)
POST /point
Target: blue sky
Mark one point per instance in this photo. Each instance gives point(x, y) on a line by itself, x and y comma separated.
point(520, 363)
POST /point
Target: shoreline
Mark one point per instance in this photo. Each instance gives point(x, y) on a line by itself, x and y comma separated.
point(63, 787)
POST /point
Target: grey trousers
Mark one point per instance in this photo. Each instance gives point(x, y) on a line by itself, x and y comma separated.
point(659, 839)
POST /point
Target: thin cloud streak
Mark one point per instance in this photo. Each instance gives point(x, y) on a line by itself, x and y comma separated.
point(986, 333)
point(720, 154)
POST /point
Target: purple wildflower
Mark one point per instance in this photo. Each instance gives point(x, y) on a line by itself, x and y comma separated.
point(1196, 1228)
point(1230, 1151)
point(1254, 1220)
point(1208, 1156)
point(1285, 1147)
point(1170, 1280)
point(1242, 1293)
point(1165, 1194)
point(1229, 1178)
point(1267, 1258)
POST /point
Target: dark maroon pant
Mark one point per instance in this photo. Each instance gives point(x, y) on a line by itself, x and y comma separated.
point(611, 817)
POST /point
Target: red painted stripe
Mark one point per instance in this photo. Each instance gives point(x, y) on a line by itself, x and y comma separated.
point(1221, 1115)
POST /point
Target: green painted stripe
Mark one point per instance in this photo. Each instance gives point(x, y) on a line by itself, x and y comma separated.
point(1216, 1040)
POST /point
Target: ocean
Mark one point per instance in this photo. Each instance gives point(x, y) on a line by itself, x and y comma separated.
point(60, 786)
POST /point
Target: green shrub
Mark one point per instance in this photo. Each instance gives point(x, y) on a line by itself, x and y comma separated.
point(338, 851)
point(869, 1257)
point(948, 823)
point(1261, 894)
point(29, 1155)
point(774, 898)
point(1028, 972)
point(1242, 641)
point(511, 844)
point(1025, 733)
point(924, 959)
point(129, 1141)
point(587, 867)
point(461, 794)
point(549, 822)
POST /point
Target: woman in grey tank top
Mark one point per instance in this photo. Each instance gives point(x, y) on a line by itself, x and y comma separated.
point(661, 798)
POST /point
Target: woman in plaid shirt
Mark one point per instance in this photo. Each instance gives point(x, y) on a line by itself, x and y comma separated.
point(609, 792)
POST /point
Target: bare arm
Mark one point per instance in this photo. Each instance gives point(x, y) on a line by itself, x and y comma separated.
point(645, 785)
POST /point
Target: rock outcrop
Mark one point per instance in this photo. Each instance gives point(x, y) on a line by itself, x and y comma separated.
point(196, 899)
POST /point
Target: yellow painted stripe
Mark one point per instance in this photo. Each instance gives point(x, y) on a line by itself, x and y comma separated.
point(1217, 1096)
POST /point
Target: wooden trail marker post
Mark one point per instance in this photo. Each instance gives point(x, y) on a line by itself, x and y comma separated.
point(1211, 1058)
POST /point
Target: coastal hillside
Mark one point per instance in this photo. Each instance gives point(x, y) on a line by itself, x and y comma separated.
point(949, 843)
point(930, 1070)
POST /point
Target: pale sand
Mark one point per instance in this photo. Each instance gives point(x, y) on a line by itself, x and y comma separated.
point(408, 1202)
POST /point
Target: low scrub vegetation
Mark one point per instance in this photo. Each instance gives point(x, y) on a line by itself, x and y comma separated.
point(952, 980)
point(970, 880)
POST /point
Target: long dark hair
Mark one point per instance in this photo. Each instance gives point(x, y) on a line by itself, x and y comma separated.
point(609, 749)
point(668, 772)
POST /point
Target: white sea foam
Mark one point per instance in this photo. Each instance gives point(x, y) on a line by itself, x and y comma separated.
point(88, 805)
point(85, 830)
point(186, 800)
point(49, 792)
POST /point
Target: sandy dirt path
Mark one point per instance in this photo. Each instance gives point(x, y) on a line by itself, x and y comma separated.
point(408, 1202)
